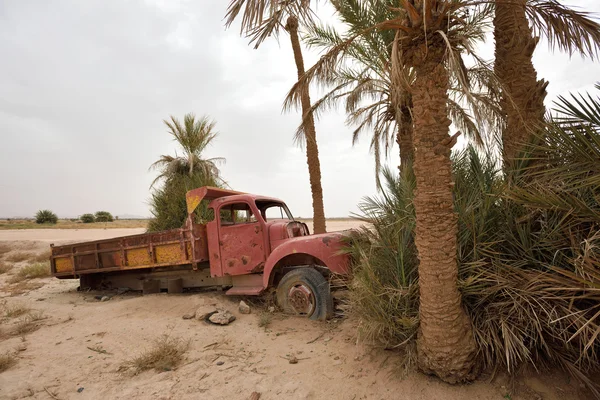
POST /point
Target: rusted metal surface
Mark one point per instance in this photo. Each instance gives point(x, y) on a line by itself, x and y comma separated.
point(148, 250)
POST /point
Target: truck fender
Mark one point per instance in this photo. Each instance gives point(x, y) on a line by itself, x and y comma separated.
point(322, 250)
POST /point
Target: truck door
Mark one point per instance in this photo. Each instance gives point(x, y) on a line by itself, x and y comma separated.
point(241, 242)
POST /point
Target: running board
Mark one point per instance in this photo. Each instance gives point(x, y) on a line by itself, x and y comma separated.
point(244, 291)
point(246, 285)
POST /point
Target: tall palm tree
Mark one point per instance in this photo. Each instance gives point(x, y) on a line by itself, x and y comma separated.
point(430, 38)
point(193, 137)
point(264, 18)
point(523, 94)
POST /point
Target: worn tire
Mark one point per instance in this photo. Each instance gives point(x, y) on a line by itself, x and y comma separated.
point(304, 291)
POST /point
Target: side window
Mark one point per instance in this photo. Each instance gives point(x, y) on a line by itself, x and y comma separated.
point(238, 213)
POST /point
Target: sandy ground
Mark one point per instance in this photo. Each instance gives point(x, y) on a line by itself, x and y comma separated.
point(223, 362)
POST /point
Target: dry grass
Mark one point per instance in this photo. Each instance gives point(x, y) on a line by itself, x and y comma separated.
point(165, 355)
point(7, 360)
point(24, 287)
point(19, 256)
point(16, 311)
point(4, 248)
point(42, 257)
point(68, 224)
point(264, 319)
point(4, 267)
point(28, 323)
point(31, 271)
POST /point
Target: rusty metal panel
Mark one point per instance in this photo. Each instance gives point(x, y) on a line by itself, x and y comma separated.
point(242, 248)
point(136, 257)
point(63, 264)
point(149, 250)
point(169, 253)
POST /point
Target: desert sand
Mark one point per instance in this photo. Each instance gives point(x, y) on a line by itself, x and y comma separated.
point(223, 362)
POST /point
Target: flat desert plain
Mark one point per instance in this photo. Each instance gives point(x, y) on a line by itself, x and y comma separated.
point(65, 344)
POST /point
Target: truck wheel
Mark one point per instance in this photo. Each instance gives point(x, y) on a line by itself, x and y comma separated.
point(304, 291)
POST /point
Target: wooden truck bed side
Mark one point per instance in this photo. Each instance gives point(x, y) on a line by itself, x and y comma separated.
point(147, 250)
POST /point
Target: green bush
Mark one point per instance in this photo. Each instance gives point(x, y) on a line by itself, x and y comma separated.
point(528, 253)
point(87, 218)
point(45, 217)
point(168, 206)
point(104, 216)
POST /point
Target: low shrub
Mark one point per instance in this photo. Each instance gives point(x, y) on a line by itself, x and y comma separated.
point(88, 218)
point(45, 217)
point(103, 216)
point(165, 354)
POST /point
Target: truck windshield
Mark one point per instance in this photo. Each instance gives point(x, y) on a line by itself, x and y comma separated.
point(271, 211)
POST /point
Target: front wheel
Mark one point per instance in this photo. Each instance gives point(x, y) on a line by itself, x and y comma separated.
point(305, 292)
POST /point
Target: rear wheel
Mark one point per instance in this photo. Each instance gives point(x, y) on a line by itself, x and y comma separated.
point(305, 292)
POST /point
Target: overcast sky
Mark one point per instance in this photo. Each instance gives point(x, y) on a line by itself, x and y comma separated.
point(85, 85)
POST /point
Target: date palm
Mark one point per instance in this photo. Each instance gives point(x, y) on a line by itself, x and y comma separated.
point(261, 19)
point(523, 94)
point(193, 137)
point(430, 37)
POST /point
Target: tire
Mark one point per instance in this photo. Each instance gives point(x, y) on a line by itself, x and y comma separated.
point(305, 292)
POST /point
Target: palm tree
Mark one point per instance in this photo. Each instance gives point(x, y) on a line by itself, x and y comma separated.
point(378, 100)
point(261, 19)
point(430, 38)
point(523, 94)
point(193, 137)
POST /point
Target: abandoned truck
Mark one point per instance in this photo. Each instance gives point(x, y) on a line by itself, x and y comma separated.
point(251, 244)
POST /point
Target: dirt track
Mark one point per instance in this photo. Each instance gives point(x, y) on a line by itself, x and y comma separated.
point(57, 358)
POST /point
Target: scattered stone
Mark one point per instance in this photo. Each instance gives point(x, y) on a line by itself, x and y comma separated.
point(98, 297)
point(203, 312)
point(105, 298)
point(220, 362)
point(255, 396)
point(41, 299)
point(293, 360)
point(189, 315)
point(327, 339)
point(80, 390)
point(22, 348)
point(271, 309)
point(222, 317)
point(244, 308)
point(336, 357)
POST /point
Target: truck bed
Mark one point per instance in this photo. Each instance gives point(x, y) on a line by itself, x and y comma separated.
point(147, 250)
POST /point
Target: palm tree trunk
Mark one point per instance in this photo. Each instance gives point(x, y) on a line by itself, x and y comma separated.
point(445, 344)
point(522, 100)
point(312, 150)
point(404, 137)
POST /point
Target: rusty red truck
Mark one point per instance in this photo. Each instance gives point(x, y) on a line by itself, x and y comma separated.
point(252, 244)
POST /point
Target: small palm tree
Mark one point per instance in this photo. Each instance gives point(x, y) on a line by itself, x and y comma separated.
point(193, 136)
point(260, 20)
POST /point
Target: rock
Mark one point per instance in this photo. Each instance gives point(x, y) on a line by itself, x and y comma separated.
point(98, 297)
point(189, 315)
point(293, 360)
point(271, 309)
point(105, 298)
point(255, 396)
point(222, 317)
point(244, 308)
point(203, 312)
point(220, 362)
